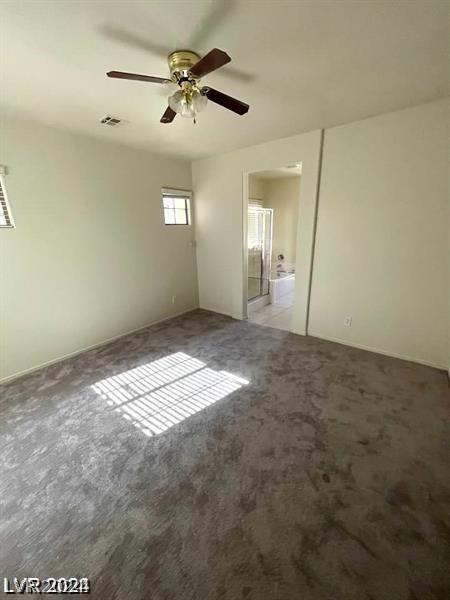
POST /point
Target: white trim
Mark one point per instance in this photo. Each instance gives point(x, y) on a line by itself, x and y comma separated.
point(420, 361)
point(303, 280)
point(185, 195)
point(244, 245)
point(314, 232)
point(176, 193)
point(219, 312)
point(92, 347)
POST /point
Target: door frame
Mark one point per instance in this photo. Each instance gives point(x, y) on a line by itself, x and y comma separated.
point(306, 231)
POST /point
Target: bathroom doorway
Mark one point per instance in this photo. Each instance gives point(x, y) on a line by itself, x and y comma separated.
point(272, 221)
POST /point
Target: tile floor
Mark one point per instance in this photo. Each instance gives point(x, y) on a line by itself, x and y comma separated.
point(277, 315)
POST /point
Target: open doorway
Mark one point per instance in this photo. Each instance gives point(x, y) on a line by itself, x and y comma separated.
point(272, 222)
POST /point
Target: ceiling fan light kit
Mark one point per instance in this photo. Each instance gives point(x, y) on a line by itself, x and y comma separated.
point(188, 101)
point(186, 69)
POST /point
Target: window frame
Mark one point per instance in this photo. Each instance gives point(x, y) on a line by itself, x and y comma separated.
point(7, 213)
point(176, 194)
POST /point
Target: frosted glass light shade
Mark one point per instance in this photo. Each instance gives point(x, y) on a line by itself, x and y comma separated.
point(180, 105)
point(187, 108)
point(199, 101)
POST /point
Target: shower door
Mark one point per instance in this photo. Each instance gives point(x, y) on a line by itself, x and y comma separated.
point(259, 250)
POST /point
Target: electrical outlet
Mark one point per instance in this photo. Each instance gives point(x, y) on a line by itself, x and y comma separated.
point(348, 321)
point(174, 299)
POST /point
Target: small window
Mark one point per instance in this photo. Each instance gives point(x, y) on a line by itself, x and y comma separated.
point(176, 206)
point(5, 213)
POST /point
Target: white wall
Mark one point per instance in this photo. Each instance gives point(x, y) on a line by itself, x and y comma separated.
point(382, 246)
point(220, 184)
point(282, 195)
point(90, 257)
point(256, 188)
point(382, 235)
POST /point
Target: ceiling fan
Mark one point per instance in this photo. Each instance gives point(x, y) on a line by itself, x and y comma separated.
point(186, 69)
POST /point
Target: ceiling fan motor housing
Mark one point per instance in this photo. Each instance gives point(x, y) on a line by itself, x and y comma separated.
point(181, 62)
point(186, 70)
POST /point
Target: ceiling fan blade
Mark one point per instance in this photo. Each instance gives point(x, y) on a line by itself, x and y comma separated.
point(133, 40)
point(210, 62)
point(214, 18)
point(168, 116)
point(226, 101)
point(136, 77)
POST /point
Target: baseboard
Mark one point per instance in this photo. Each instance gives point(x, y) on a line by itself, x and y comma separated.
point(91, 347)
point(14, 376)
point(214, 310)
point(378, 351)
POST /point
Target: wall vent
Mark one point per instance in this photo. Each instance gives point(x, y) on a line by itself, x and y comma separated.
point(108, 120)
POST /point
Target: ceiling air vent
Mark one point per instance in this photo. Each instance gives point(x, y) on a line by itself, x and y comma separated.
point(111, 121)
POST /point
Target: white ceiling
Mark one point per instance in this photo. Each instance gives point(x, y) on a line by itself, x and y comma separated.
point(301, 65)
